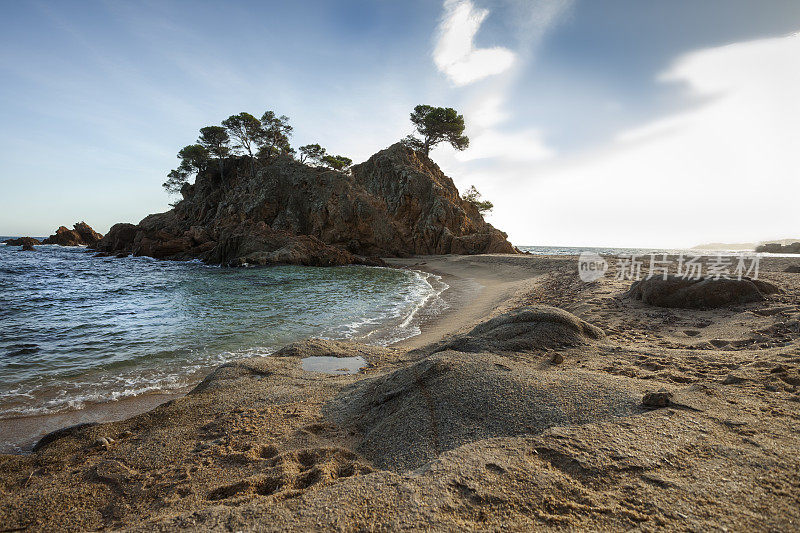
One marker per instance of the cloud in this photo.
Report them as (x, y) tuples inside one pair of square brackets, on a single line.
[(486, 114), (726, 170), (455, 54)]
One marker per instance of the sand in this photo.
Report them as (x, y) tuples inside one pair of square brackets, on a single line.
[(545, 438)]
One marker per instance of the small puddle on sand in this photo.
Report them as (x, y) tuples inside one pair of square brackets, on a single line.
[(333, 365)]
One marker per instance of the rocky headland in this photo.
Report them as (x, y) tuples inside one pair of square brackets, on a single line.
[(395, 204)]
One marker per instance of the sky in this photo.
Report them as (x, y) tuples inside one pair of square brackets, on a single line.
[(592, 122)]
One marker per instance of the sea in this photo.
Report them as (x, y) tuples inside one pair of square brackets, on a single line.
[(77, 330)]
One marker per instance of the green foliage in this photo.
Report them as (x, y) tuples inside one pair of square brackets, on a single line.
[(245, 130), (472, 196), (176, 179), (436, 125), (215, 139), (413, 143), (244, 134), (274, 137), (337, 162), (195, 156), (312, 153)]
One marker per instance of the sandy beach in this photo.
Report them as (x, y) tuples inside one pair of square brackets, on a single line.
[(459, 429)]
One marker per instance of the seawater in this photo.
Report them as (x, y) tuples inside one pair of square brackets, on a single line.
[(77, 329)]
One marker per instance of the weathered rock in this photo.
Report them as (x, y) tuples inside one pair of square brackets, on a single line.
[(658, 399), (81, 235), (23, 241), (28, 247), (397, 203), (524, 330), (699, 294)]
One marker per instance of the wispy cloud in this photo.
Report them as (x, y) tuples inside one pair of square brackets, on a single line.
[(456, 56), (455, 53)]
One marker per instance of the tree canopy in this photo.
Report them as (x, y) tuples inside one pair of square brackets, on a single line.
[(259, 140), (312, 153), (337, 162), (472, 196), (436, 125)]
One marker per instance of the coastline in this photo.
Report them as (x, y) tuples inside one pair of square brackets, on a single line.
[(550, 436), (474, 291)]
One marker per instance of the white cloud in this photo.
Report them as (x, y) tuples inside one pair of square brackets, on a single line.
[(728, 170), (455, 53), (486, 113)]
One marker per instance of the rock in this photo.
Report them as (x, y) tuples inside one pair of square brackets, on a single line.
[(525, 329), (699, 294), (557, 359), (779, 248), (733, 378), (27, 243), (793, 269), (331, 348), (104, 442), (395, 204), (81, 235), (658, 399)]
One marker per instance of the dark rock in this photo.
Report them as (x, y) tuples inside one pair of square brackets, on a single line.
[(524, 330), (778, 248), (81, 235), (27, 247), (658, 399), (699, 294), (557, 359), (795, 269), (23, 241), (395, 204)]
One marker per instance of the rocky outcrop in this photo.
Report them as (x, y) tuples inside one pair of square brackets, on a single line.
[(81, 235), (22, 241), (699, 294), (779, 248), (397, 203), (525, 329)]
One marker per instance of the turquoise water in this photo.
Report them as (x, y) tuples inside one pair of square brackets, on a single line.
[(77, 329)]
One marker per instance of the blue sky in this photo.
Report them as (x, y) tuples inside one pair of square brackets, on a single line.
[(593, 122)]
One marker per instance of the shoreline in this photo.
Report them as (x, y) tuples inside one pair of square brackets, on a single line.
[(470, 295), (547, 405)]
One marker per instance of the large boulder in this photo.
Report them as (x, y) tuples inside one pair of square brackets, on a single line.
[(525, 329), (396, 203), (705, 293), (81, 235)]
